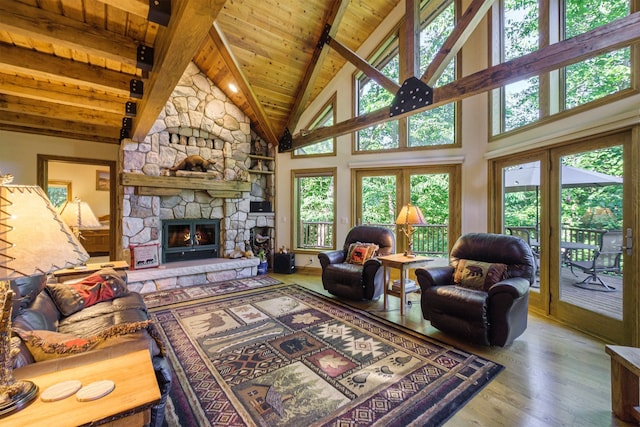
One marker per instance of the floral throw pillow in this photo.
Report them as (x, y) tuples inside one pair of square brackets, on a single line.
[(478, 275)]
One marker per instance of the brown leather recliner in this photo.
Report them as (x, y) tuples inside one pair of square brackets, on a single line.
[(355, 281), (495, 313)]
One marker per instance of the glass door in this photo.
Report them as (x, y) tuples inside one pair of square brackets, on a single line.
[(588, 205), (571, 204), (522, 182), (381, 193)]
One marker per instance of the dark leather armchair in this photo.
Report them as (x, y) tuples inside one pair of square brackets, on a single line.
[(494, 314), (355, 281)]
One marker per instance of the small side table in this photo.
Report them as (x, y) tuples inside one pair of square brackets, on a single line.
[(404, 264), (129, 404), (625, 371), (69, 273)]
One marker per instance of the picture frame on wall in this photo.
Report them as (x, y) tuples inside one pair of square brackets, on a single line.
[(102, 180)]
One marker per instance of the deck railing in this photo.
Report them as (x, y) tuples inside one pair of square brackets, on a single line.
[(431, 240)]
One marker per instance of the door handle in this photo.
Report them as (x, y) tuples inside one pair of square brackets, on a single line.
[(628, 241)]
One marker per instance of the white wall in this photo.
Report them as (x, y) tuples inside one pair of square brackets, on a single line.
[(18, 153), (473, 155)]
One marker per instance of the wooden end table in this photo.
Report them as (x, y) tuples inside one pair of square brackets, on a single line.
[(129, 404), (403, 263), (625, 374)]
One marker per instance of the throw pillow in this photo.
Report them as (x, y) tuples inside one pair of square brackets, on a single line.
[(46, 345), (478, 275), (359, 252), (104, 285)]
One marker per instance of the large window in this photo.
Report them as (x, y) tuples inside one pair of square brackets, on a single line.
[(326, 117), (430, 128), (435, 126), (314, 204), (522, 30)]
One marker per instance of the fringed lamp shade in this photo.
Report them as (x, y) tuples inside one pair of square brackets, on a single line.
[(409, 216), (78, 214), (33, 242), (33, 238)]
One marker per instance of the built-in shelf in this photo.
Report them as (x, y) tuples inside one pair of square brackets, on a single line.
[(259, 157)]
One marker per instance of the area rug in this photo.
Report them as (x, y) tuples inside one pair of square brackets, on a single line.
[(173, 296), (287, 356)]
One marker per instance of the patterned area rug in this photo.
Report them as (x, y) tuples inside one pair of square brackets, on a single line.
[(287, 356), (173, 296)]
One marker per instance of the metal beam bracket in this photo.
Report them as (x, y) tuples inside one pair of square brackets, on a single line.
[(130, 109), (286, 142), (413, 94), (136, 88), (144, 58), (159, 12), (127, 123), (325, 38)]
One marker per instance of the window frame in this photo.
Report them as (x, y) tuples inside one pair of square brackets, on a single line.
[(389, 48), (551, 95), (329, 108), (295, 207)]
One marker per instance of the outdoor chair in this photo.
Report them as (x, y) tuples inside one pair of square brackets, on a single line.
[(354, 272), (525, 235), (605, 260)]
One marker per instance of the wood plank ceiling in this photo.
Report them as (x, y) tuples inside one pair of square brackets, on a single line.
[(101, 70), (73, 68)]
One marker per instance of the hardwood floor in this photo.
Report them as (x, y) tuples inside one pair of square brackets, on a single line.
[(553, 376)]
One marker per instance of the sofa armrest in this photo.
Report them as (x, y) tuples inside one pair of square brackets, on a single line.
[(434, 276), (331, 257), (515, 286)]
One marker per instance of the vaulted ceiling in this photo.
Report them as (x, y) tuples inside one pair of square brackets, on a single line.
[(88, 69), (102, 70)]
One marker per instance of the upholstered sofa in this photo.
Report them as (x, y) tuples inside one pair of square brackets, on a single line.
[(482, 296), (60, 321), (362, 279)]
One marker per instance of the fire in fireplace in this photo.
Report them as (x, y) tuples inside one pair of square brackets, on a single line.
[(190, 239)]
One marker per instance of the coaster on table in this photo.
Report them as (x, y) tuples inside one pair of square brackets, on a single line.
[(60, 391), (95, 390)]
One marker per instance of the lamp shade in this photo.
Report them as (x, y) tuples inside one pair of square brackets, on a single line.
[(78, 214), (33, 238), (410, 214)]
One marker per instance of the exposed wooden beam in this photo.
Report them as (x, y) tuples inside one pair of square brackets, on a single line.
[(65, 32), (139, 8), (410, 37), (331, 23), (458, 37), (614, 35), (220, 41), (41, 65), (175, 47), (22, 105), (60, 94), (369, 70), (49, 126)]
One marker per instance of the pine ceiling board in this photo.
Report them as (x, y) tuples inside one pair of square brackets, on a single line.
[(72, 9), (95, 14)]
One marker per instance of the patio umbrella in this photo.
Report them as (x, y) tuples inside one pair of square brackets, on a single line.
[(527, 178)]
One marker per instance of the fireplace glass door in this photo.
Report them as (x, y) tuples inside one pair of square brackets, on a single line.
[(190, 239)]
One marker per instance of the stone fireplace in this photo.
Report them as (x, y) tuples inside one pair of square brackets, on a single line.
[(198, 120)]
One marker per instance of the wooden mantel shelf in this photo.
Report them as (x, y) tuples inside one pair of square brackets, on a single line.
[(147, 185)]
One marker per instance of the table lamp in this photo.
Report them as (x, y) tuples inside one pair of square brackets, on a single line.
[(409, 216), (77, 215), (34, 241)]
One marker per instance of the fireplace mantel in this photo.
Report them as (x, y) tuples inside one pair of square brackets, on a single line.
[(147, 185)]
